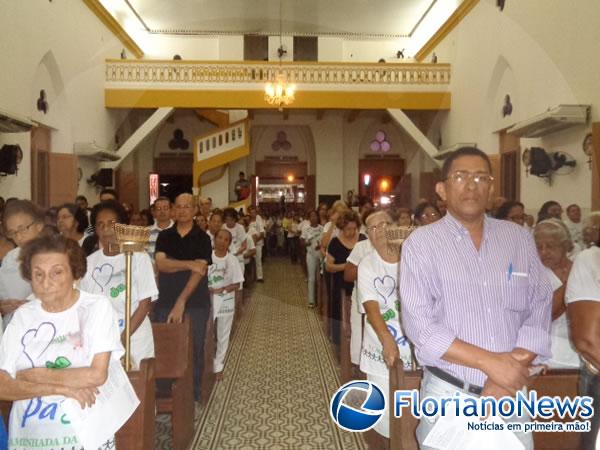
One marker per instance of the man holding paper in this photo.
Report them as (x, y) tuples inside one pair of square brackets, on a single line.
[(475, 301)]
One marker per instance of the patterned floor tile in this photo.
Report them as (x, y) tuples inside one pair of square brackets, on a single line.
[(279, 376)]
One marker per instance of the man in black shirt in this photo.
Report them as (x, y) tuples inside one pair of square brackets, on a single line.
[(183, 253)]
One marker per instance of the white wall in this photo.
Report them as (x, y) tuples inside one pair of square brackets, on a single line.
[(59, 47), (542, 58), (218, 190)]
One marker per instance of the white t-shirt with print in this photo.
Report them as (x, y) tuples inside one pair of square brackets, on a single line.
[(12, 284), (312, 237), (106, 275), (564, 355), (358, 253), (250, 245), (377, 281), (257, 227), (584, 279), (224, 272), (238, 237), (68, 339)]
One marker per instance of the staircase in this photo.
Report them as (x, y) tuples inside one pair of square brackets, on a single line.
[(218, 148)]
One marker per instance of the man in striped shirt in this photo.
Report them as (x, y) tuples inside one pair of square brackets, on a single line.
[(475, 301)]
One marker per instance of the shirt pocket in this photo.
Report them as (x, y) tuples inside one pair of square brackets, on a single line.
[(515, 292)]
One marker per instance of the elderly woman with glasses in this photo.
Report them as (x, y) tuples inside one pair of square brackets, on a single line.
[(383, 342), (58, 346), (553, 243), (23, 221)]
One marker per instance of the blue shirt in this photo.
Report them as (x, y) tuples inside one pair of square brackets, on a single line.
[(497, 298)]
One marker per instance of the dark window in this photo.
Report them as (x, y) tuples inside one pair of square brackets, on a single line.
[(306, 48), (256, 48)]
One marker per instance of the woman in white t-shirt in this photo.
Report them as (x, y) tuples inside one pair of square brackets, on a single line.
[(238, 235), (553, 243), (106, 276), (583, 300), (224, 279), (311, 238), (384, 341), (63, 344)]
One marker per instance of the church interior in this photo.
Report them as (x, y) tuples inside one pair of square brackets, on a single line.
[(288, 106)]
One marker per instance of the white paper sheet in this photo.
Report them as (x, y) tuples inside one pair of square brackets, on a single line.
[(115, 403), (452, 433)]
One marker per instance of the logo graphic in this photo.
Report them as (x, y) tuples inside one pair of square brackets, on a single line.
[(363, 417)]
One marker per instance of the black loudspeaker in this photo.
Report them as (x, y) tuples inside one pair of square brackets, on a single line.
[(10, 157), (104, 178), (541, 165)]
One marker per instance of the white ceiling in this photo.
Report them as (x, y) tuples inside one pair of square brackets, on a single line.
[(360, 18)]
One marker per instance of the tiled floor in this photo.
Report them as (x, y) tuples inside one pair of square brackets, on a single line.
[(279, 377)]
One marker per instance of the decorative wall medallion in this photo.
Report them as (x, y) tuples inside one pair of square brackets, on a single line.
[(281, 143), (380, 143), (42, 103), (179, 142), (507, 108)]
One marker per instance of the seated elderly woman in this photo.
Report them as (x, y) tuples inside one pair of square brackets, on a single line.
[(553, 244), (59, 344)]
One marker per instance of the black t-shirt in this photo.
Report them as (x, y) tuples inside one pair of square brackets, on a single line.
[(340, 254), (194, 245)]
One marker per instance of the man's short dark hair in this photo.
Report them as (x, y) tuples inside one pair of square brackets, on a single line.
[(460, 152), (161, 199), (81, 197), (572, 205), (109, 191), (242, 174)]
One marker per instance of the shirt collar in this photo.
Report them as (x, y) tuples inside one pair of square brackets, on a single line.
[(459, 230), (156, 227)]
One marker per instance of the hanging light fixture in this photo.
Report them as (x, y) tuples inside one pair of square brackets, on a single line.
[(280, 92)]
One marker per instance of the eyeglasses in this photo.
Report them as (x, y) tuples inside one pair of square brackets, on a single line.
[(430, 215), (379, 226), (462, 177), (11, 234)]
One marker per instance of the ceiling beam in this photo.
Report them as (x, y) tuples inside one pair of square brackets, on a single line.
[(115, 27)]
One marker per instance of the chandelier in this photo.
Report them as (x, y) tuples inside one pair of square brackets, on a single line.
[(280, 93)]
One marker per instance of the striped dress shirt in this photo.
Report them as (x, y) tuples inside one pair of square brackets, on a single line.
[(497, 298)]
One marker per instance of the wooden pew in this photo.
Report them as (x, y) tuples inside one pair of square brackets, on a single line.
[(5, 409), (402, 430), (560, 382), (138, 432), (173, 346), (210, 347), (323, 299), (554, 382), (345, 363)]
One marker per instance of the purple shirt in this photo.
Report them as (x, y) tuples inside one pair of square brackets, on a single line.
[(497, 298)]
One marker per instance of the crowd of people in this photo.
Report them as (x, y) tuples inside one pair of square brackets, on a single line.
[(477, 295)]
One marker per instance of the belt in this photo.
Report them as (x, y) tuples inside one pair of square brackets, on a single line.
[(457, 382)]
